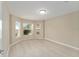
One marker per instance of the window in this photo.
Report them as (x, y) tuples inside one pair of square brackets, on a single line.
[(27, 29), (18, 29), (0, 34), (0, 29)]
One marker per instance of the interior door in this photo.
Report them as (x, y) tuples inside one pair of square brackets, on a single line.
[(39, 29)]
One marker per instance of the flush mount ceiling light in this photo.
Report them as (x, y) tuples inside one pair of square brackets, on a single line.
[(43, 11)]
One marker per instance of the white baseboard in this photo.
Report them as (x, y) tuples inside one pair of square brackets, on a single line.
[(63, 44), (60, 43)]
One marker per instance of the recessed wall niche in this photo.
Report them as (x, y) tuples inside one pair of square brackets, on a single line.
[(38, 26)]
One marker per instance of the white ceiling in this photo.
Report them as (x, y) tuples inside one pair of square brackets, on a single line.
[(29, 10)]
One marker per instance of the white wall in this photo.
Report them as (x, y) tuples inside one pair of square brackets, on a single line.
[(6, 28), (0, 10), (64, 29)]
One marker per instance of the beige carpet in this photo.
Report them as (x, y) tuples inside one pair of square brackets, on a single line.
[(40, 48)]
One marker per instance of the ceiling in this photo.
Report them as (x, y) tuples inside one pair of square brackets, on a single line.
[(30, 9)]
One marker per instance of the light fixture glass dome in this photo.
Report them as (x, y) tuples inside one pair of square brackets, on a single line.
[(43, 11)]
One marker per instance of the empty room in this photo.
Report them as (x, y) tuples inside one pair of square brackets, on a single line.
[(39, 28)]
